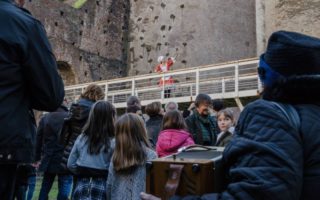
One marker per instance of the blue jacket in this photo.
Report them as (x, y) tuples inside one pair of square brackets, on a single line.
[(269, 159), (28, 80)]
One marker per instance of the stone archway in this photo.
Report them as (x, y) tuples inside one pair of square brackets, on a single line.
[(66, 72)]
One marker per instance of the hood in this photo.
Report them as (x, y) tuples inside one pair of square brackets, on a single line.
[(80, 110), (171, 139)]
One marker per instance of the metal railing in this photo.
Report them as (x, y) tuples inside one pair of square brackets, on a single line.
[(227, 80)]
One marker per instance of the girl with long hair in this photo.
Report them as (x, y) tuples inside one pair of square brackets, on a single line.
[(173, 135), (91, 154), (127, 171)]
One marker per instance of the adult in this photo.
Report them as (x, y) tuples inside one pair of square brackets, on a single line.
[(167, 81), (49, 153), (28, 80), (134, 106), (77, 118), (153, 125), (201, 125), (171, 106)]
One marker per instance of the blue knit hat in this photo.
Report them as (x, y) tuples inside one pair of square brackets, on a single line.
[(290, 54)]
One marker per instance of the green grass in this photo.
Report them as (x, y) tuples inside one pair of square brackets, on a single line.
[(53, 192)]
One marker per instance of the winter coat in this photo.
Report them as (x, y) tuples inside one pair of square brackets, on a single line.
[(72, 128), (28, 80), (225, 137), (269, 159), (153, 126), (49, 150), (194, 125), (170, 140), (128, 185)]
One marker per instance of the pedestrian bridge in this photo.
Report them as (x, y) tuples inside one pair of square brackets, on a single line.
[(234, 79)]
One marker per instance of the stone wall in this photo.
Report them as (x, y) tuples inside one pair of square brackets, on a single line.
[(292, 15), (89, 43), (197, 32)]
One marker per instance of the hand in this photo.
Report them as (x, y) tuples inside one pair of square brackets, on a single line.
[(36, 164), (145, 196), (192, 106)]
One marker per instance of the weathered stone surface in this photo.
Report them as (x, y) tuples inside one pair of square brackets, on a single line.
[(111, 38), (197, 32), (91, 40), (293, 15)]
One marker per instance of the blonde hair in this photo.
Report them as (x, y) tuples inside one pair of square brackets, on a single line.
[(131, 142), (93, 92)]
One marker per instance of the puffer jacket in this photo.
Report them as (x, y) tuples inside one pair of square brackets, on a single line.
[(170, 140), (28, 80), (269, 159), (72, 128)]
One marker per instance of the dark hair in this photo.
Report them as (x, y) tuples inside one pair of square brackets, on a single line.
[(131, 140), (173, 120), (133, 100), (99, 127), (93, 92), (217, 104), (202, 99), (153, 108), (133, 104)]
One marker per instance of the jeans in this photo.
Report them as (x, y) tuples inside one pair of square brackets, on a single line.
[(20, 192), (31, 186), (7, 180), (64, 186)]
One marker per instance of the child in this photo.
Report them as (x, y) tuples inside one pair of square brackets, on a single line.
[(91, 154), (225, 123), (127, 173), (173, 134)]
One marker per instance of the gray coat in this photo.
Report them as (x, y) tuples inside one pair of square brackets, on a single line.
[(128, 186)]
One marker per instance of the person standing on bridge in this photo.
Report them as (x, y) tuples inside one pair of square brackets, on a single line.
[(201, 125), (167, 81), (28, 80)]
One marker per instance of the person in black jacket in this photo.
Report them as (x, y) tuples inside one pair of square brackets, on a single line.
[(275, 151), (77, 118), (49, 153), (155, 112), (28, 80)]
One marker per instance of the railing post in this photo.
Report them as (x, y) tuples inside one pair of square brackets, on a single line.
[(106, 91), (133, 85), (236, 84), (223, 86), (163, 81), (197, 81)]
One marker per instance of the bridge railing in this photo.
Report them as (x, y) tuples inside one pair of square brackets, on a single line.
[(228, 80)]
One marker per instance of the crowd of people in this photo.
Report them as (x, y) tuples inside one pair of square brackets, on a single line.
[(97, 155), (271, 153)]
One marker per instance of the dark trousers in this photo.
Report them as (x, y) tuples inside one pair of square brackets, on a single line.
[(167, 93), (7, 180), (64, 186)]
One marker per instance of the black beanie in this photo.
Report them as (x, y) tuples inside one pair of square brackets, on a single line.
[(291, 53)]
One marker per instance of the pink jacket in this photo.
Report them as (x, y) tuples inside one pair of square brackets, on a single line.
[(170, 140)]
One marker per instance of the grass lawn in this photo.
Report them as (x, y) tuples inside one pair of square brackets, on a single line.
[(53, 192)]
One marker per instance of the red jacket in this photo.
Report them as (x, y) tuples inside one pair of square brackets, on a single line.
[(170, 140)]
